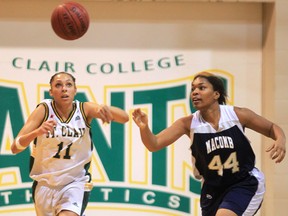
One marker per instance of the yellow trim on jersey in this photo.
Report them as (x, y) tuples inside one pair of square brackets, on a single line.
[(46, 111), (59, 116)]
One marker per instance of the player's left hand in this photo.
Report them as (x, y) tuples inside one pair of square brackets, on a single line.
[(277, 151), (104, 113)]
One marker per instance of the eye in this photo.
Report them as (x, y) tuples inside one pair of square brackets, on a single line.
[(58, 85), (202, 87)]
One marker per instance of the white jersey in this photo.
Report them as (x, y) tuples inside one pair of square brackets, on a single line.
[(63, 156)]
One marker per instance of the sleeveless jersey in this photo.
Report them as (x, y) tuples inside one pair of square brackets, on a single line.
[(224, 156), (64, 155)]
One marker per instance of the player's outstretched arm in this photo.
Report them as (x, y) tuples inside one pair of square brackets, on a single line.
[(278, 148), (147, 137), (166, 137), (251, 120), (105, 113)]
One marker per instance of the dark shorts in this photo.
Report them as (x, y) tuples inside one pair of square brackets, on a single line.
[(243, 198)]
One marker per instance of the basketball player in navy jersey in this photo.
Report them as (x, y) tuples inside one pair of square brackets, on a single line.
[(221, 154), (62, 147)]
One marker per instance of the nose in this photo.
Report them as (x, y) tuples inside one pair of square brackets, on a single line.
[(64, 89), (194, 92)]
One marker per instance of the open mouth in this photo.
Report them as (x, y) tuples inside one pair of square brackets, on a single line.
[(65, 96)]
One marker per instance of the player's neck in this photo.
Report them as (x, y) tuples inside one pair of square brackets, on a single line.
[(212, 115), (64, 110)]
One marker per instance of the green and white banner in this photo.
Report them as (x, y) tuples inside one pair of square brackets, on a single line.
[(127, 178), (133, 56)]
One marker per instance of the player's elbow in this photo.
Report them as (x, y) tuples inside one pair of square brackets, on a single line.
[(152, 148), (14, 150), (125, 118)]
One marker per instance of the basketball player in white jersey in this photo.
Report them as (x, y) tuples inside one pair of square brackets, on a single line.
[(62, 147), (221, 153)]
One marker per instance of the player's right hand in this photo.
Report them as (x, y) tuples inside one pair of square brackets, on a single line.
[(140, 118), (47, 127)]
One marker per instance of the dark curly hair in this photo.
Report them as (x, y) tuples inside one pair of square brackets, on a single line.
[(217, 84)]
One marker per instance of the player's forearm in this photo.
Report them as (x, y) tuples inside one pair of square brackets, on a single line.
[(24, 141), (277, 133), (119, 115), (148, 139)]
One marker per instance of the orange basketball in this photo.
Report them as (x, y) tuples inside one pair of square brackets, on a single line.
[(70, 20)]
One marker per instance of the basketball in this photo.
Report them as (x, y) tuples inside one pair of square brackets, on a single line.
[(70, 20)]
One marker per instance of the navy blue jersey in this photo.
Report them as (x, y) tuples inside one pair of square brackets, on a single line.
[(220, 157)]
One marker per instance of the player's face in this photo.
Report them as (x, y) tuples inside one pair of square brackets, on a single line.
[(63, 88), (203, 94)]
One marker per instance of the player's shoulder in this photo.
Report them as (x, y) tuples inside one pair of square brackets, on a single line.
[(187, 118), (242, 110), (88, 105), (185, 121), (46, 101), (244, 114)]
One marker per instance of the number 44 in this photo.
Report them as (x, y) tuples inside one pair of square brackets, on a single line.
[(231, 163)]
